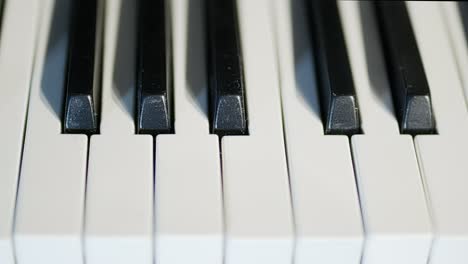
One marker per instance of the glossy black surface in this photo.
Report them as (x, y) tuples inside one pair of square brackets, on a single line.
[(410, 90), (83, 70), (154, 71), (228, 115), (338, 103)]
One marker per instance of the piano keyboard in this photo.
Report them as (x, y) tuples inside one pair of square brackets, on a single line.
[(233, 131)]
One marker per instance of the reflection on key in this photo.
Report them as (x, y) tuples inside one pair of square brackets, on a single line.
[(154, 113), (410, 89), (228, 114), (340, 113), (83, 76)]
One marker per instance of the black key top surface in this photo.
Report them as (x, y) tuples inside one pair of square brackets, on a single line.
[(154, 75), (339, 108), (410, 89), (228, 115), (83, 71)]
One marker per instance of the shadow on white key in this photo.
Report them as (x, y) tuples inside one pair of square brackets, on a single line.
[(49, 209), (442, 157), (259, 222), (188, 194), (396, 218), (18, 16), (119, 192), (325, 201)]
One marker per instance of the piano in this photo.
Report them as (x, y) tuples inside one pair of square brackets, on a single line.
[(233, 131)]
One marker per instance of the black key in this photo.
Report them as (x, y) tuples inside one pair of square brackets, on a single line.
[(463, 8), (2, 7), (228, 115), (411, 96), (83, 71), (339, 107), (154, 76)]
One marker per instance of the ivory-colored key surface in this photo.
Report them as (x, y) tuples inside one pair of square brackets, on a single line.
[(188, 191), (394, 210), (50, 204), (119, 190), (259, 223), (18, 16), (458, 40), (327, 216), (442, 157)]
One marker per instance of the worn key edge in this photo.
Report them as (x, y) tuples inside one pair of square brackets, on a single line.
[(229, 106), (418, 118), (80, 116), (154, 116), (343, 116)]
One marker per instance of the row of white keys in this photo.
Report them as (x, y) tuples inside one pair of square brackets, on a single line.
[(50, 204), (442, 157), (395, 214), (259, 223), (18, 38), (325, 201), (119, 194), (188, 192)]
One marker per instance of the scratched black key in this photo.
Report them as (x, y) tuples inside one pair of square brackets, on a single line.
[(83, 70), (154, 77), (339, 107), (228, 115), (411, 96)]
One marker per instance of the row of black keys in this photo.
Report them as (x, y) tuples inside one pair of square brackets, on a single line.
[(154, 69), (228, 115)]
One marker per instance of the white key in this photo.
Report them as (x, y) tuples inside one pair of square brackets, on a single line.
[(119, 194), (259, 223), (49, 210), (459, 44), (188, 195), (444, 81), (443, 157), (395, 214), (18, 16), (325, 201)]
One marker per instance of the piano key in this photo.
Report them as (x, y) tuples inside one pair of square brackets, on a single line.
[(442, 156), (463, 9), (50, 203), (324, 195), (228, 112), (456, 17), (259, 222), (119, 194), (18, 16), (119, 228), (83, 70), (192, 191), (398, 229), (410, 89), (154, 78), (339, 107), (2, 7), (450, 109)]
